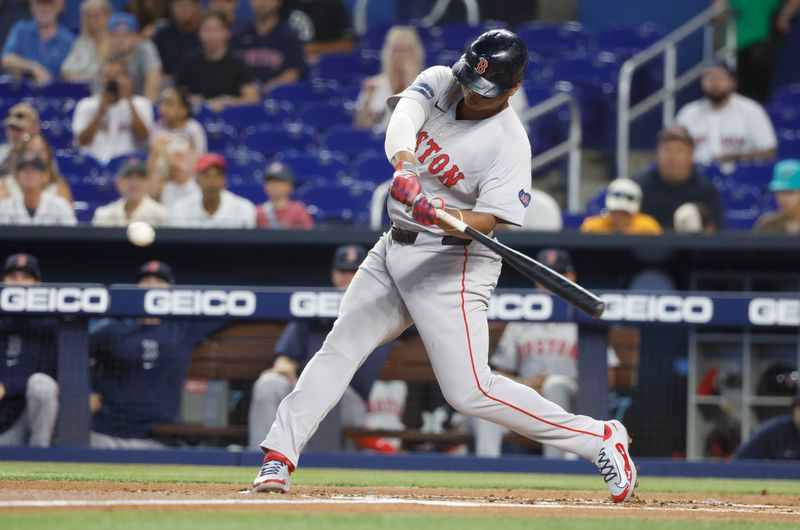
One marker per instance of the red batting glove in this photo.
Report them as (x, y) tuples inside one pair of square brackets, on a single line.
[(424, 210), (405, 183)]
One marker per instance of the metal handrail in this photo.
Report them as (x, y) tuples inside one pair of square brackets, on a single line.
[(672, 82), (438, 9), (570, 147)]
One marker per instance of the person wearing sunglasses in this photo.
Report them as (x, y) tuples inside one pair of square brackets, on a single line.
[(621, 214)]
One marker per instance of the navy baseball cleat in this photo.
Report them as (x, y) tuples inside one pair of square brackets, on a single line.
[(274, 474), (615, 462)]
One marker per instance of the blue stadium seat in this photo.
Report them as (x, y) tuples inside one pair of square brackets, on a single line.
[(279, 111), (787, 95), (65, 89), (756, 174), (97, 193), (372, 167), (352, 141), (253, 192), (77, 167), (84, 211), (240, 117), (741, 197), (373, 38), (627, 40), (221, 137), (205, 115), (324, 115), (458, 36), (58, 133), (336, 203), (245, 167), (572, 221), (15, 89), (601, 66), (272, 139), (553, 39), (345, 67), (789, 143), (327, 165), (303, 92), (784, 116)]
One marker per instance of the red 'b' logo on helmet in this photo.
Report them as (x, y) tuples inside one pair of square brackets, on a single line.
[(483, 64)]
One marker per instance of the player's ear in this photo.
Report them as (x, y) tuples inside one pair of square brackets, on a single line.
[(513, 90)]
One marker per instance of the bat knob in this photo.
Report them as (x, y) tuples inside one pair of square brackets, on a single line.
[(599, 308)]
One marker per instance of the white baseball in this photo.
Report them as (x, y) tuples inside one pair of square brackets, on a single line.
[(141, 234)]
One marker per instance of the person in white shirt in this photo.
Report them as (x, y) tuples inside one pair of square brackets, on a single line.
[(172, 171), (135, 204), (113, 122), (216, 207), (33, 206), (727, 127)]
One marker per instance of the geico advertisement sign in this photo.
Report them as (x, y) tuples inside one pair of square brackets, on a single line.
[(312, 304), (212, 303), (652, 308), (54, 299), (619, 307), (774, 312)]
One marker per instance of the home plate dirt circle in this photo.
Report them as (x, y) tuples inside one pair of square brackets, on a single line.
[(101, 496)]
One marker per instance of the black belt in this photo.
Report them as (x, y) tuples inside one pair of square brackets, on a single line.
[(408, 237)]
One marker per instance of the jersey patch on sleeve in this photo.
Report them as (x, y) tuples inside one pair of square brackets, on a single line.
[(423, 88), (524, 198)]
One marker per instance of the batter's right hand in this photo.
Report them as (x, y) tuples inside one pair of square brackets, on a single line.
[(405, 183)]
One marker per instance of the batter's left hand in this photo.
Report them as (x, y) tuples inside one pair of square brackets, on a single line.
[(424, 209)]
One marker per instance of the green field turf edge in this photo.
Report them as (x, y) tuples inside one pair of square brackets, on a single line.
[(240, 477), (260, 521)]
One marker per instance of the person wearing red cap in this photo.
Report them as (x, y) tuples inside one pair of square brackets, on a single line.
[(215, 207)]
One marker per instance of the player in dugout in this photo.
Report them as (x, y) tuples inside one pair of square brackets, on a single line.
[(28, 389), (138, 368)]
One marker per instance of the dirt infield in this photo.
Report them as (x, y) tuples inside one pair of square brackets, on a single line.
[(41, 496)]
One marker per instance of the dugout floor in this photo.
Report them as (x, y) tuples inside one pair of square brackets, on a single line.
[(43, 496)]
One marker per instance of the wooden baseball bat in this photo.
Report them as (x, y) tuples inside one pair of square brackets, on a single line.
[(570, 291)]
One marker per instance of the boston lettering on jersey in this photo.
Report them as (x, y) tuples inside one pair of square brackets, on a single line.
[(438, 162)]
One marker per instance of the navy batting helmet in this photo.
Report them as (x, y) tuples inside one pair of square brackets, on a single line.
[(492, 63)]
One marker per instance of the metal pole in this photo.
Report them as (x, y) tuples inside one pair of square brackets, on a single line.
[(623, 118), (73, 381), (360, 16), (574, 159), (670, 70)]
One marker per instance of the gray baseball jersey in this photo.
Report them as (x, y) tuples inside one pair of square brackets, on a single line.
[(443, 289)]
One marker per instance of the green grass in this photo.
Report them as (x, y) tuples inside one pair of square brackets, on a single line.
[(236, 521), (242, 476)]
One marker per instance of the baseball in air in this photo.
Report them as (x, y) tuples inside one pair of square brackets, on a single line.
[(141, 234)]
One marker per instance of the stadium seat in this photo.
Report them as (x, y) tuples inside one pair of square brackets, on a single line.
[(304, 92), (77, 166), (550, 40), (789, 143), (323, 115), (784, 116), (372, 167), (65, 89), (627, 40), (272, 139), (787, 95), (58, 133), (352, 141), (457, 36), (245, 167), (572, 221), (597, 203), (84, 211), (240, 117), (756, 174), (221, 137), (15, 89), (99, 193), (279, 111), (253, 192), (328, 165), (373, 38), (336, 203), (345, 67), (741, 197)]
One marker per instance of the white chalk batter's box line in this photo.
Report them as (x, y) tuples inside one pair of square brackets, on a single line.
[(374, 500)]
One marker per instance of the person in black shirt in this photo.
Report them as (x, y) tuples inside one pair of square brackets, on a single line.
[(270, 47), (28, 390), (776, 439), (178, 37), (215, 74), (323, 25), (674, 180)]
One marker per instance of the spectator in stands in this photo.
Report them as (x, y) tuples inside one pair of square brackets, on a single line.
[(280, 211), (21, 124), (38, 146), (402, 59), (150, 15), (33, 206), (622, 216), (693, 218), (298, 343), (92, 46), (726, 126), (138, 368), (788, 23), (543, 356), (675, 180), (113, 122), (175, 120), (228, 9), (11, 12), (775, 439), (28, 390), (134, 203), (543, 214), (214, 74), (323, 25), (139, 56), (173, 172), (786, 186), (36, 48), (270, 47), (215, 207), (178, 38)]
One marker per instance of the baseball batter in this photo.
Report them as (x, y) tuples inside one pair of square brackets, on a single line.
[(456, 144)]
